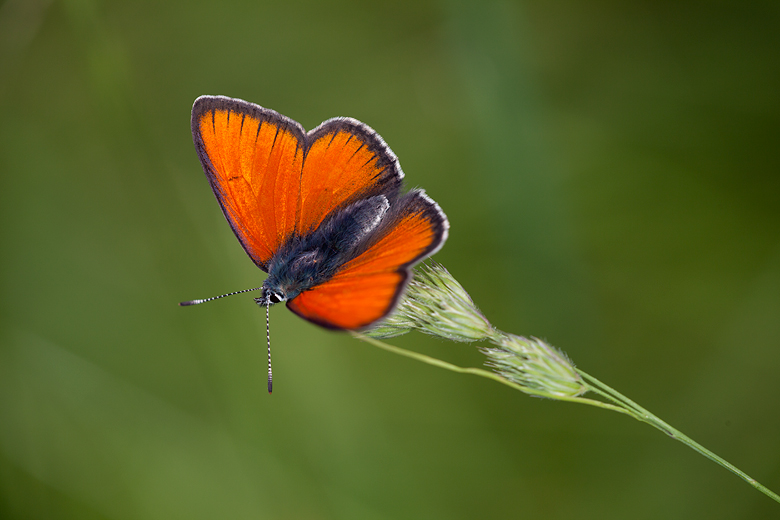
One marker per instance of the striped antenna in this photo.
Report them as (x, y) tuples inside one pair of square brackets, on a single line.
[(268, 337), (196, 302)]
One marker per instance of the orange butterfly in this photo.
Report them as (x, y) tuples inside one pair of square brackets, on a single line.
[(321, 212)]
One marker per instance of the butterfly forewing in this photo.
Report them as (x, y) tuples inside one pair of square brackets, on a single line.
[(274, 181), (253, 159), (345, 161)]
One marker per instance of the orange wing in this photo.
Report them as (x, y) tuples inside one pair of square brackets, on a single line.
[(273, 180), (368, 287), (345, 161)]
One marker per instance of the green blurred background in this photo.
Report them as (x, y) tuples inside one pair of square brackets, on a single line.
[(612, 177)]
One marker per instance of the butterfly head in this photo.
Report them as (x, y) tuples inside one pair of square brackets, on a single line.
[(271, 295)]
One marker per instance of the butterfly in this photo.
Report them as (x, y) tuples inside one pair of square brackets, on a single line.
[(322, 212)]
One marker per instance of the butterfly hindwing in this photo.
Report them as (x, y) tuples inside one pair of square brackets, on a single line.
[(367, 287)]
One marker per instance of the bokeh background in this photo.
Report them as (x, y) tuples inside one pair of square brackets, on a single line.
[(611, 174)]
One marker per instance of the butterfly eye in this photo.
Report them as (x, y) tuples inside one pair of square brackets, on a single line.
[(275, 298)]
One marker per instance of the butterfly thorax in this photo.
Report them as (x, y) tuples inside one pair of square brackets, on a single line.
[(310, 259)]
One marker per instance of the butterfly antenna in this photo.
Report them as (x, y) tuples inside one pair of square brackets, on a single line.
[(268, 337), (196, 302)]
